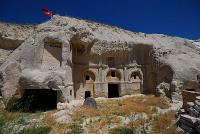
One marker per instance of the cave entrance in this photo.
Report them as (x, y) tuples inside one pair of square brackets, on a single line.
[(190, 89), (38, 100), (113, 90), (87, 94)]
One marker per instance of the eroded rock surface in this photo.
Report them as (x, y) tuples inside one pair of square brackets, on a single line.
[(79, 58)]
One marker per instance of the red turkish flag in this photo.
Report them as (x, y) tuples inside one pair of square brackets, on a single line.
[(47, 12)]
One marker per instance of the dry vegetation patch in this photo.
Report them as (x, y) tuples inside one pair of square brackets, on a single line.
[(163, 124), (22, 123), (121, 107), (106, 116), (55, 126), (110, 117), (9, 116)]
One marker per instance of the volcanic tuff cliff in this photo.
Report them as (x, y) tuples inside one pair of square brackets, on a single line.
[(12, 36), (174, 60)]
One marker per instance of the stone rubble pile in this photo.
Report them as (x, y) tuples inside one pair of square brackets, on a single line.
[(188, 118)]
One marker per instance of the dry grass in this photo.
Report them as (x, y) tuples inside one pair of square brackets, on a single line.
[(108, 111), (121, 107), (9, 116), (101, 125), (163, 124), (113, 108), (56, 128), (136, 124)]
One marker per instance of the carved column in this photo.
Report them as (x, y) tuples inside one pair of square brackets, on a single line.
[(68, 67)]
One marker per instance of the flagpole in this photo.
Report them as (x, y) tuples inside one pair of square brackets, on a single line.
[(51, 15)]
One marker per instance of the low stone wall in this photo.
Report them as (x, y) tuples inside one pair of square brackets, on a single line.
[(188, 118), (189, 96)]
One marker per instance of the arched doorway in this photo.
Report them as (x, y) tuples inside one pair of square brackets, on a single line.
[(89, 79), (113, 78)]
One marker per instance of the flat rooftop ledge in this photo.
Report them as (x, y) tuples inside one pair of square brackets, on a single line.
[(36, 79)]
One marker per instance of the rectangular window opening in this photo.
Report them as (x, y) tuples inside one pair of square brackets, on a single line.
[(71, 92), (87, 77), (113, 73), (87, 94)]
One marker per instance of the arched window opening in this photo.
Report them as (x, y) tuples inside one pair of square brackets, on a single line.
[(89, 76), (135, 76), (113, 75)]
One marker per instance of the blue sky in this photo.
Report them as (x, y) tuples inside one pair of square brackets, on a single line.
[(172, 17)]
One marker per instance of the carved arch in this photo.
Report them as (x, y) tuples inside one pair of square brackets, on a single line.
[(89, 76), (135, 74), (113, 75)]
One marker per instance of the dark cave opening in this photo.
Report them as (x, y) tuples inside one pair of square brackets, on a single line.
[(190, 89), (113, 90), (87, 94), (35, 100)]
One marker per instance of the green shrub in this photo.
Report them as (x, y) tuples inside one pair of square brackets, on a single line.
[(75, 129), (36, 130), (121, 130), (2, 122)]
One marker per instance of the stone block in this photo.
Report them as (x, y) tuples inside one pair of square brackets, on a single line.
[(190, 104), (65, 119), (193, 112), (90, 102), (185, 122), (188, 118), (198, 98), (197, 102), (181, 111), (197, 108), (198, 129), (187, 128), (60, 114), (61, 106)]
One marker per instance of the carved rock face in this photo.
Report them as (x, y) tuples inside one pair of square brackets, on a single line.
[(56, 54)]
